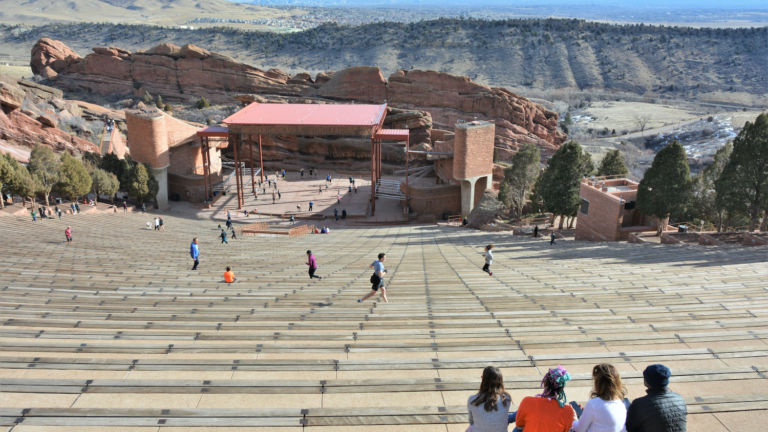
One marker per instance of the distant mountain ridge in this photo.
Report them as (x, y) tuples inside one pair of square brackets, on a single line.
[(705, 64)]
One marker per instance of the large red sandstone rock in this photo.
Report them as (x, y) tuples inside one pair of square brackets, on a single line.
[(22, 129), (49, 56), (186, 73)]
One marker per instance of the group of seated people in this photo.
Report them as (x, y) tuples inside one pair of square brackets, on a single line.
[(661, 410)]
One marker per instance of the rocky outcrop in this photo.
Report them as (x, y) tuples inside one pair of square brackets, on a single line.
[(50, 56), (488, 210), (189, 72), (32, 114), (450, 98)]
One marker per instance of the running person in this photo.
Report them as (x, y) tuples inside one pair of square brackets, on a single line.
[(194, 252), (488, 259), (377, 279), (312, 263)]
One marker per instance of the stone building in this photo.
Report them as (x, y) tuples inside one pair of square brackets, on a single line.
[(608, 210), (173, 151), (464, 166)]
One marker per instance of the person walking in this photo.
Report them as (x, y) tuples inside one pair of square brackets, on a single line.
[(310, 205), (161, 223), (234, 236), (312, 263), (489, 408), (552, 237), (194, 252), (535, 230), (273, 197), (229, 275), (68, 235), (157, 223), (34, 215), (336, 214), (143, 208), (377, 279), (77, 207), (488, 259), (125, 207), (223, 236), (58, 212), (279, 195)]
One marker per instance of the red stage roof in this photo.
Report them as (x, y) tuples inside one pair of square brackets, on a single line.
[(309, 115), (392, 134)]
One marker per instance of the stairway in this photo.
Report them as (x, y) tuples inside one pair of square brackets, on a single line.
[(389, 189)]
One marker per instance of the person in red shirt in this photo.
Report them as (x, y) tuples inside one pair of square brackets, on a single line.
[(546, 412), (68, 235), (229, 275)]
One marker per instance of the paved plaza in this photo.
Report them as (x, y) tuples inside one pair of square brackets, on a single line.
[(115, 333)]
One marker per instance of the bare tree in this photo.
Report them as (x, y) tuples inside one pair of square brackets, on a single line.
[(642, 121)]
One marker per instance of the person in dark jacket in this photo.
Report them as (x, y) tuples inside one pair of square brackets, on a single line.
[(660, 410)]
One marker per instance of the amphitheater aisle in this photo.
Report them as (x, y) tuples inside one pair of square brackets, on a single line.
[(115, 333)]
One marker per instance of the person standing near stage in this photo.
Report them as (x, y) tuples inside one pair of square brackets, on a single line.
[(312, 263), (377, 279), (194, 252)]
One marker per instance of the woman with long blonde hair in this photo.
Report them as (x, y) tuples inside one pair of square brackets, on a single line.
[(606, 411)]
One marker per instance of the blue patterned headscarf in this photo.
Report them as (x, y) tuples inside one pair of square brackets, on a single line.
[(554, 385)]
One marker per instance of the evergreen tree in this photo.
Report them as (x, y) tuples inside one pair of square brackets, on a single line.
[(665, 188), (75, 180), (522, 175), (537, 202), (559, 185), (7, 173), (612, 164), (139, 182), (504, 192), (45, 167), (745, 177), (705, 202), (104, 183), (22, 182)]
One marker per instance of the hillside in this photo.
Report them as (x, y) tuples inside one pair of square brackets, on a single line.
[(714, 65), (158, 12)]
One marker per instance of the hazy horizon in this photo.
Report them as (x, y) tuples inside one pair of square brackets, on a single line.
[(507, 4)]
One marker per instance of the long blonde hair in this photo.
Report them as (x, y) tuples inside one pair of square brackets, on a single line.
[(607, 382)]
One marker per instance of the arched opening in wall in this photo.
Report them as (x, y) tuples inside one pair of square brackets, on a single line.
[(480, 186)]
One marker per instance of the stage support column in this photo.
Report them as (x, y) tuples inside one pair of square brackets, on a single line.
[(261, 161), (253, 176), (373, 177)]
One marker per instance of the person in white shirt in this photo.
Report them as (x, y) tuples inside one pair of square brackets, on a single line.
[(488, 259), (606, 411)]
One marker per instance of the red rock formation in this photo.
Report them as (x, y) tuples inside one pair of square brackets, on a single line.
[(186, 73), (49, 56), (450, 98), (22, 129)]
